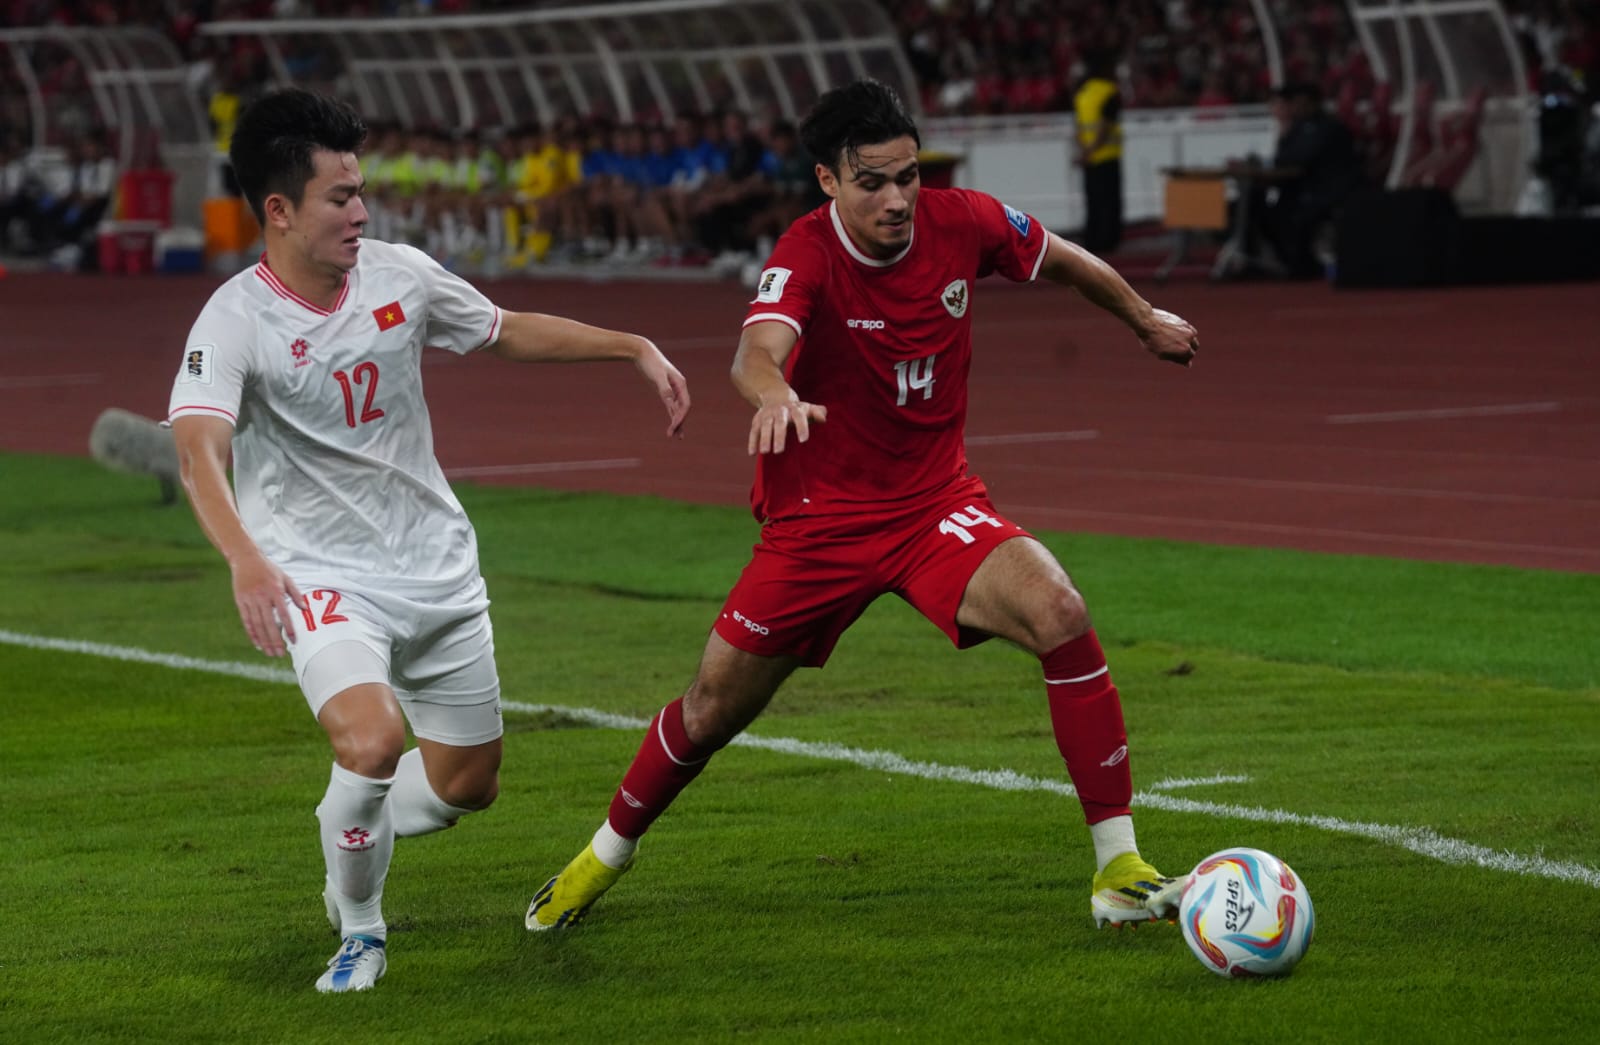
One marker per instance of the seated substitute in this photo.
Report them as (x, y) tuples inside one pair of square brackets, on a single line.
[(1320, 152)]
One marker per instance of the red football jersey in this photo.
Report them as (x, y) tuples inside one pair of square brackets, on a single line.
[(885, 345)]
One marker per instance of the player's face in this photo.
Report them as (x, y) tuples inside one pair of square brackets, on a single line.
[(325, 228), (877, 195)]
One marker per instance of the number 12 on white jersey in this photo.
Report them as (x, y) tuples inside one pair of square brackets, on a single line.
[(914, 375)]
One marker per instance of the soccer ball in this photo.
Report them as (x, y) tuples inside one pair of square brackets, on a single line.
[(1245, 913)]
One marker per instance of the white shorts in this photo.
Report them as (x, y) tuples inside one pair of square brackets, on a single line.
[(437, 654)]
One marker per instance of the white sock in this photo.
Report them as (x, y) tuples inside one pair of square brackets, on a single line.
[(1112, 838), (357, 841), (612, 849), (413, 806)]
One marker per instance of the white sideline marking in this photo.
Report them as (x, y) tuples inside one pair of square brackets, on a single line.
[(1175, 783), (1502, 410), (537, 467), (1420, 840), (254, 672), (1081, 435)]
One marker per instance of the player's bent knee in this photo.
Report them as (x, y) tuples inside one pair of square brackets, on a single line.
[(368, 735), (473, 792), (1072, 612), (714, 715), (1065, 618), (371, 752), (347, 686), (729, 691), (479, 797)]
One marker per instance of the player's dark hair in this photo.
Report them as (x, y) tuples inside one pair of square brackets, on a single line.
[(276, 136), (846, 118)]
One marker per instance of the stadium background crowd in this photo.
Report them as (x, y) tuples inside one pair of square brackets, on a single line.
[(715, 189)]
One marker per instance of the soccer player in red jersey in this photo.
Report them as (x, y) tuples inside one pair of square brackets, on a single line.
[(859, 340)]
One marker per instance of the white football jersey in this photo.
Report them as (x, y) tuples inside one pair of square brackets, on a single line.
[(333, 463)]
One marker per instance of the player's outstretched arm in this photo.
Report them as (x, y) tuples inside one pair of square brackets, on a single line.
[(533, 337), (758, 375), (264, 594), (1165, 335)]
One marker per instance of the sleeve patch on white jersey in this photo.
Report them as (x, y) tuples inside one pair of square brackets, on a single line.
[(198, 366), (770, 287)]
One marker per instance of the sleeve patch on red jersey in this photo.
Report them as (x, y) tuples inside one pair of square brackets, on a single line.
[(770, 287), (1019, 221)]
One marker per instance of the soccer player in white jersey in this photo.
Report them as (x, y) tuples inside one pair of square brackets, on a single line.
[(346, 545)]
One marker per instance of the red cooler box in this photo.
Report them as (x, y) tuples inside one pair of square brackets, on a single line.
[(128, 246), (145, 195)]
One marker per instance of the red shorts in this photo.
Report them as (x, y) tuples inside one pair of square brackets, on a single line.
[(811, 577)]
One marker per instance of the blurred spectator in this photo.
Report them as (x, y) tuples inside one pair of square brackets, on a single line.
[(571, 217), (94, 181), (1319, 152), (222, 109), (697, 163), (795, 190), (1589, 194), (603, 192), (644, 176), (16, 203), (730, 200), (1098, 105), (1377, 132), (1560, 160)]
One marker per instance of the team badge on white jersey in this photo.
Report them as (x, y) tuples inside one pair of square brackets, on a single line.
[(300, 349), (954, 298), (197, 365), (770, 286)]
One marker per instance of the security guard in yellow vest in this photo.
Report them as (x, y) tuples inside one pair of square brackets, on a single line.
[(1098, 107)]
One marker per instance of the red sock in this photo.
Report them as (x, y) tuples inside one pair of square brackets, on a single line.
[(666, 763), (1086, 714)]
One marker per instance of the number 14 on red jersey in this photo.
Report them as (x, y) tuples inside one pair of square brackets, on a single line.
[(914, 375)]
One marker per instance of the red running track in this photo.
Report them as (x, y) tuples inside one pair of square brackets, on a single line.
[(1459, 425)]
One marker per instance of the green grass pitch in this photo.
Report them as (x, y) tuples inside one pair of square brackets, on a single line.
[(1421, 742)]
